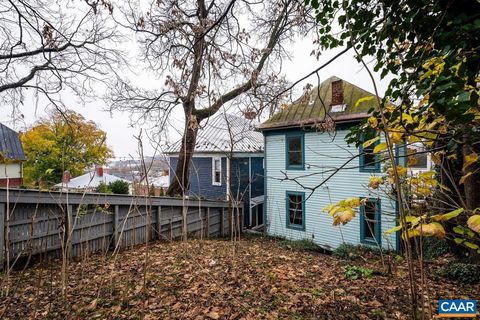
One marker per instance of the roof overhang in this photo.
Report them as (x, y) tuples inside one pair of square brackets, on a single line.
[(310, 123)]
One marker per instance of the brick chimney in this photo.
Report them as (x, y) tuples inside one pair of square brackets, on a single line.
[(337, 92), (66, 177), (99, 171), (249, 113)]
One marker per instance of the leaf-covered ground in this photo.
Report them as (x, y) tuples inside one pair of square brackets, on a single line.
[(216, 279)]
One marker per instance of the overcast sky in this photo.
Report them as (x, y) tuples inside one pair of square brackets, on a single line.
[(120, 132)]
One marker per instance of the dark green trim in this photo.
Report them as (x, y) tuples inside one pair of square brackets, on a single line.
[(397, 223), (400, 159), (287, 210), (378, 225), (370, 168), (265, 194), (301, 135), (281, 131)]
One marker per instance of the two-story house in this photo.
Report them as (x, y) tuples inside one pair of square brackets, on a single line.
[(309, 165)]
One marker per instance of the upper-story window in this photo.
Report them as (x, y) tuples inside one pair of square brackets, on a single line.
[(419, 153), (295, 153), (369, 161), (216, 171)]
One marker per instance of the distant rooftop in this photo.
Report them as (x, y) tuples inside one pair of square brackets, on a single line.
[(89, 180), (10, 145), (226, 133), (334, 95)]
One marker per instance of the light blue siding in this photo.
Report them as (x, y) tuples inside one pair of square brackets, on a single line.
[(322, 157)]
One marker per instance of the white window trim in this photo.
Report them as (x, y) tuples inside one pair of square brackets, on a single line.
[(214, 183)]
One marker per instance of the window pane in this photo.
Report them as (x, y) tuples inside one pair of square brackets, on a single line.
[(217, 176), (369, 157), (217, 164), (420, 155), (295, 158), (370, 222), (294, 143)]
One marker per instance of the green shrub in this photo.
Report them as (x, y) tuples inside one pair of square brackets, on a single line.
[(119, 187), (354, 272), (304, 244), (462, 272), (151, 191), (103, 188), (434, 248), (346, 251)]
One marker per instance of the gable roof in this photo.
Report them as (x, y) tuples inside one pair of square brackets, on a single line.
[(10, 145), (89, 180), (309, 109), (225, 133)]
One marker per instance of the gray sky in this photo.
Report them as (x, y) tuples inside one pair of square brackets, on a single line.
[(120, 134)]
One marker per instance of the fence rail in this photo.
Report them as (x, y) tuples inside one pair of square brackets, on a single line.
[(37, 222)]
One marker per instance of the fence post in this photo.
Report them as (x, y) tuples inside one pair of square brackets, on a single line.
[(208, 222), (159, 222), (116, 213), (222, 222), (70, 231), (2, 235)]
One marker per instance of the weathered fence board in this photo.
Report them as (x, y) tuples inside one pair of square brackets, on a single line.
[(47, 222)]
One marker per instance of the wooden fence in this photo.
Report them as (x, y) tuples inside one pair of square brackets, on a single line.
[(34, 222)]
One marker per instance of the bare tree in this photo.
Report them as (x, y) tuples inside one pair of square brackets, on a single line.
[(48, 46), (210, 53)]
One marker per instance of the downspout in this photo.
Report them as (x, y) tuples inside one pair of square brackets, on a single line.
[(228, 179), (250, 190), (265, 197)]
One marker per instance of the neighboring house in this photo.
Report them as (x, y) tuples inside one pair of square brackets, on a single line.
[(423, 160), (157, 186), (305, 149), (227, 164), (87, 182), (11, 158)]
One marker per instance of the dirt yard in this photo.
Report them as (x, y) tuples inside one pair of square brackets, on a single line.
[(216, 279)]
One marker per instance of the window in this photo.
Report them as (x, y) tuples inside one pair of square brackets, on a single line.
[(369, 162), (294, 151), (370, 225), (418, 152), (295, 206), (216, 171)]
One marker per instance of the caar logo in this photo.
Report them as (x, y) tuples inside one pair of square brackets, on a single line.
[(457, 308)]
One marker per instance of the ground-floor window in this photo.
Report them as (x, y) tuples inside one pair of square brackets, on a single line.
[(295, 205), (370, 226)]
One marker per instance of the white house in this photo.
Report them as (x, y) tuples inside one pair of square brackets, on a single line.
[(88, 181)]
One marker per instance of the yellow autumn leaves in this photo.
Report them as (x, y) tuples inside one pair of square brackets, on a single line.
[(343, 211), (431, 226)]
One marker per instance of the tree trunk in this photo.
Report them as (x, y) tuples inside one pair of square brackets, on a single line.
[(472, 182), (180, 183)]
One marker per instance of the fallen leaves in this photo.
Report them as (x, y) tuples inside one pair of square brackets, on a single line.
[(213, 279)]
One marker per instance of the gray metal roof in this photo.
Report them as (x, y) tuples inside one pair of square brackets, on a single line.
[(10, 145), (225, 133)]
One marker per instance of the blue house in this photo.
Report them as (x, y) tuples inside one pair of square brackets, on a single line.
[(309, 165), (227, 164)]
